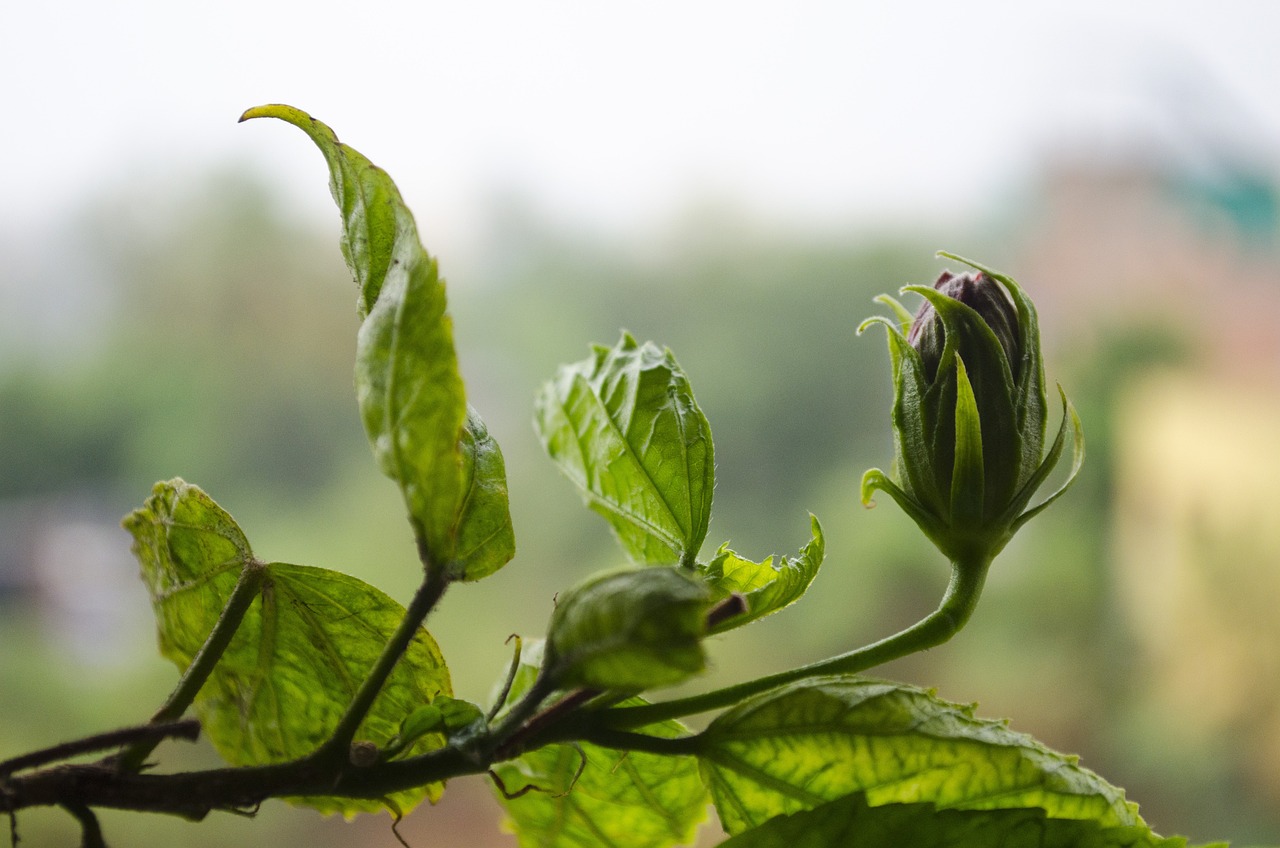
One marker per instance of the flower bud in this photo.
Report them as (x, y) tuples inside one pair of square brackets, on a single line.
[(981, 294), (629, 630), (969, 413)]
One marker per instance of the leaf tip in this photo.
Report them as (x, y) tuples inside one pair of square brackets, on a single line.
[(264, 111), (870, 482)]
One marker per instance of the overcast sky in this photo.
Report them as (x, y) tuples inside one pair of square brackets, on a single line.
[(618, 112)]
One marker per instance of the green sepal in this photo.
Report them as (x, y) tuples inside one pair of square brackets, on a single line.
[(991, 385), (1055, 452), (629, 630), (1030, 401), (912, 436), (874, 478), (301, 650), (766, 587), (623, 425), (968, 475)]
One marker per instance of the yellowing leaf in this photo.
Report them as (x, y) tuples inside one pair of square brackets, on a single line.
[(851, 821), (300, 652), (812, 742)]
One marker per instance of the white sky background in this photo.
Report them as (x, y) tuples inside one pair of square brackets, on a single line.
[(611, 114)]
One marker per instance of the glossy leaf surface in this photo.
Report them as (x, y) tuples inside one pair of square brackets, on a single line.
[(767, 587), (300, 653), (774, 755), (630, 799), (851, 821), (624, 427)]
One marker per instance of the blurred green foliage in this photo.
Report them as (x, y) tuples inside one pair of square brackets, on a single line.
[(224, 352)]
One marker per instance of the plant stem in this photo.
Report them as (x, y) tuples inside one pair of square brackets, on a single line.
[(511, 677), (424, 600), (202, 664), (189, 729), (515, 742), (90, 829), (940, 625), (194, 794)]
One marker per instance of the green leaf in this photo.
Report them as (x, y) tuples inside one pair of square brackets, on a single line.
[(767, 587), (773, 755), (300, 652), (624, 427), (369, 201), (632, 799), (411, 395), (485, 538), (459, 720), (852, 821), (629, 630)]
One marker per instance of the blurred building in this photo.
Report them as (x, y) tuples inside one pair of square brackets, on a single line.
[(1186, 241)]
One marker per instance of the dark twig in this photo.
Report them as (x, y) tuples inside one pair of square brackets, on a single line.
[(397, 816), (148, 733), (91, 831), (202, 664), (514, 745), (529, 787)]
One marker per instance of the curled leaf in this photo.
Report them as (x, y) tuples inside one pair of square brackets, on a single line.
[(624, 427)]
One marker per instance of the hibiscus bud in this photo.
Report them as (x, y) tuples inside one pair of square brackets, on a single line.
[(981, 294), (970, 413)]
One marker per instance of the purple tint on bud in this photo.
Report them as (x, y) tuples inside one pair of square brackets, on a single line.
[(981, 294)]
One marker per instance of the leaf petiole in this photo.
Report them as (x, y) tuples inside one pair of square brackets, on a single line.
[(203, 663), (424, 600)]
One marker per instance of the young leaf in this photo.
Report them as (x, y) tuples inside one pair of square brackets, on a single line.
[(767, 587), (411, 395), (629, 630), (773, 755), (452, 716), (485, 538), (852, 821), (624, 427), (300, 652), (635, 799)]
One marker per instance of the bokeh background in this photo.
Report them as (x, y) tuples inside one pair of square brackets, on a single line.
[(737, 181)]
